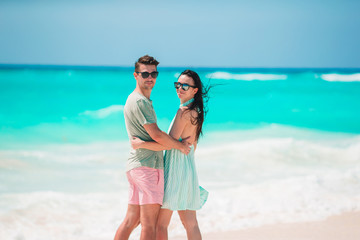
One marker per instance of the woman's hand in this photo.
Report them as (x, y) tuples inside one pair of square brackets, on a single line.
[(136, 142)]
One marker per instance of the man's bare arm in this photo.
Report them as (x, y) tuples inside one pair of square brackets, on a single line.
[(137, 143), (164, 139)]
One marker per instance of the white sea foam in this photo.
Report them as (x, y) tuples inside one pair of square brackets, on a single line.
[(104, 112), (54, 215), (271, 175), (341, 77), (96, 216), (247, 76)]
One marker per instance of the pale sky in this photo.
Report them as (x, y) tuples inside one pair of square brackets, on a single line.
[(194, 33)]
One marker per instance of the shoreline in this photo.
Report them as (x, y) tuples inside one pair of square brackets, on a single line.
[(337, 227)]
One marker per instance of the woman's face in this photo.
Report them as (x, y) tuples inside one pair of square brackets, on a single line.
[(190, 93)]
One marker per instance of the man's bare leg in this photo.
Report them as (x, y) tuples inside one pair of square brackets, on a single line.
[(188, 219), (162, 224), (148, 218), (131, 221)]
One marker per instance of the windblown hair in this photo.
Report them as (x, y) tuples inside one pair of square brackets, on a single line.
[(201, 99), (146, 60)]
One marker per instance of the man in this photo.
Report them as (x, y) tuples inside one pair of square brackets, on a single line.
[(145, 167)]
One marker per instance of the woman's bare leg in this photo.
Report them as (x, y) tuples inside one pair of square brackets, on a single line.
[(162, 224), (188, 219)]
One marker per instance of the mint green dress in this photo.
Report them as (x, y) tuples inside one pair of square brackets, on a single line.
[(181, 185)]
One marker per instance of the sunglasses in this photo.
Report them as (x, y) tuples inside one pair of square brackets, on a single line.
[(184, 86), (147, 74)]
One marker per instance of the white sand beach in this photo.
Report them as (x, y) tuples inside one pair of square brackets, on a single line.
[(340, 227)]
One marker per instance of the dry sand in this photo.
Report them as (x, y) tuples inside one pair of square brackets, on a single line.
[(341, 227)]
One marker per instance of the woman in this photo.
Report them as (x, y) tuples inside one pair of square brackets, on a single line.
[(182, 192)]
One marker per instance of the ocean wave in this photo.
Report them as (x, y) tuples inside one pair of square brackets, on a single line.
[(104, 112), (341, 77), (98, 152), (246, 76)]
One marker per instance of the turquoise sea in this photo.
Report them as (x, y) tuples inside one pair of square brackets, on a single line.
[(84, 105), (279, 145)]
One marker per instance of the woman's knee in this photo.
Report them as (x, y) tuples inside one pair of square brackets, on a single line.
[(190, 223), (161, 227)]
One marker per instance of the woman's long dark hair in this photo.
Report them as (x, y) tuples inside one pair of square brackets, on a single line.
[(201, 99)]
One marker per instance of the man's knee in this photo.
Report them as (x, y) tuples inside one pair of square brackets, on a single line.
[(148, 224), (131, 223), (149, 230)]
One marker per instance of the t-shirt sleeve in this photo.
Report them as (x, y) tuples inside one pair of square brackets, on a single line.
[(145, 112)]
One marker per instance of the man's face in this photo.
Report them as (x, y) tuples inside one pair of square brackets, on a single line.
[(145, 83)]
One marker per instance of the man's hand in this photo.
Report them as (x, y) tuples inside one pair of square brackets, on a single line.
[(136, 142), (186, 146)]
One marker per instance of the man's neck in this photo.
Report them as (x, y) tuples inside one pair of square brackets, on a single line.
[(145, 93)]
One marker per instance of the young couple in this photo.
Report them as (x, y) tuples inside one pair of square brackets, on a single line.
[(160, 185)]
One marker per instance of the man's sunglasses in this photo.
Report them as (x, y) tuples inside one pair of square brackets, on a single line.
[(184, 86), (147, 74)]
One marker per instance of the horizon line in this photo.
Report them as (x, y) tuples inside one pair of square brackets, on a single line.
[(115, 67)]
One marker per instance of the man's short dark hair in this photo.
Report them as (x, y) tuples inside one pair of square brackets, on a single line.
[(146, 60)]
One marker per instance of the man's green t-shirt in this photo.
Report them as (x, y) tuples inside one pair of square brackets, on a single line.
[(139, 111)]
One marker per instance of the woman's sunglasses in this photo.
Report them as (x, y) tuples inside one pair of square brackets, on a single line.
[(184, 86), (147, 74)]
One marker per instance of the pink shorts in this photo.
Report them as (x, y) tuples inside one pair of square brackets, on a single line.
[(146, 186)]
